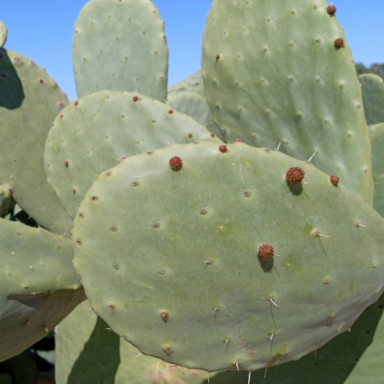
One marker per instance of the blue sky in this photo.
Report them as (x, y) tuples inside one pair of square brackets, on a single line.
[(42, 30)]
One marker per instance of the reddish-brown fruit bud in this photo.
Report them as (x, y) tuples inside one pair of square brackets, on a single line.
[(213, 135), (223, 148), (294, 175), (175, 162), (238, 141), (66, 163), (190, 135), (170, 111), (265, 251), (339, 42), (74, 190), (334, 180), (76, 102), (217, 57), (164, 316), (61, 116), (331, 10), (135, 98)]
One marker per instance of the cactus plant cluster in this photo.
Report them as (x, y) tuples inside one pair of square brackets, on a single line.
[(216, 231)]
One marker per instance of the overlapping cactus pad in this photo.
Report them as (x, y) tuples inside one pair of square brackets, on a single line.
[(83, 338), (29, 102), (98, 131), (193, 83), (3, 34), (207, 257), (121, 46), (373, 97), (274, 76), (38, 285)]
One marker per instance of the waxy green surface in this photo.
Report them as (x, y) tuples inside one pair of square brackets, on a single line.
[(3, 34), (38, 285), (274, 78), (372, 87), (149, 239), (29, 102), (99, 130), (83, 338), (121, 46)]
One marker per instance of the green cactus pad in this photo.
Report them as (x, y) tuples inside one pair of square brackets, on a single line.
[(191, 104), (274, 78), (151, 240), (193, 83), (373, 97), (376, 133), (25, 121), (3, 34), (83, 338), (98, 131), (38, 285), (121, 46)]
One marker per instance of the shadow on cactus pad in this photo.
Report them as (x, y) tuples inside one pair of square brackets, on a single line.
[(11, 89)]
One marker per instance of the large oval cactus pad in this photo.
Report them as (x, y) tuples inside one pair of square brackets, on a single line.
[(98, 131), (25, 121), (169, 257), (121, 46), (274, 77), (38, 285)]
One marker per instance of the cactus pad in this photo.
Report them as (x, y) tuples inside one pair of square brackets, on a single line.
[(169, 258), (273, 77), (191, 104), (376, 133), (121, 46), (83, 338), (38, 285), (193, 83), (26, 118), (3, 34), (98, 131), (373, 97)]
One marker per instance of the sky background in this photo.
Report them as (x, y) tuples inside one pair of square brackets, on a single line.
[(43, 29)]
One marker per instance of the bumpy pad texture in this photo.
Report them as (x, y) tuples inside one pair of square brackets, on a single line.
[(376, 133), (373, 97), (280, 79), (29, 102), (3, 34), (98, 131), (38, 285), (192, 105), (83, 338), (120, 45), (151, 240), (193, 83)]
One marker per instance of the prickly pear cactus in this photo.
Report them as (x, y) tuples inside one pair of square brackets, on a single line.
[(376, 133), (98, 131), (281, 74), (38, 285), (191, 104), (3, 34), (22, 368), (83, 338), (213, 252), (193, 83), (26, 117), (121, 46), (373, 97)]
